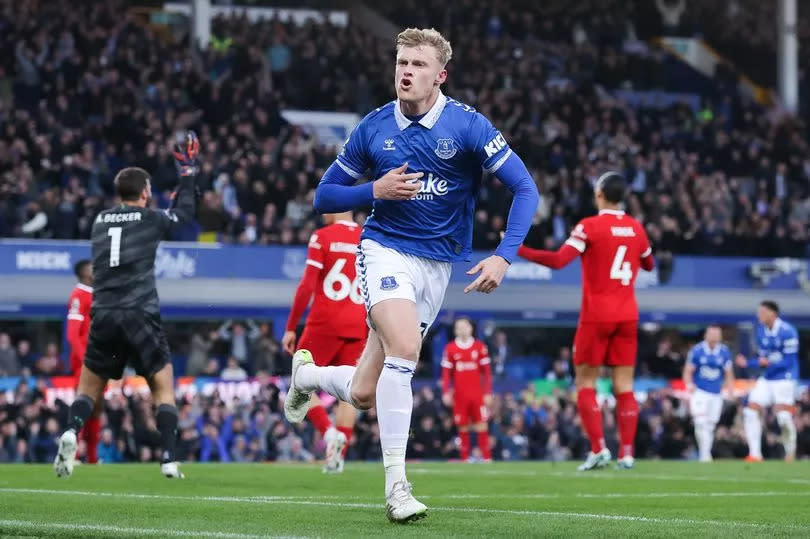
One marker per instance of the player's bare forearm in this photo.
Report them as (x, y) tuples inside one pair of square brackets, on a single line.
[(551, 259), (730, 382), (688, 371)]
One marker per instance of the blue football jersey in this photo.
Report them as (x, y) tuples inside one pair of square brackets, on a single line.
[(451, 145), (780, 345), (710, 366)]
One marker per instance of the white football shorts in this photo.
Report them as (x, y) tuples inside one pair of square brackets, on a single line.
[(705, 405), (769, 392), (386, 274)]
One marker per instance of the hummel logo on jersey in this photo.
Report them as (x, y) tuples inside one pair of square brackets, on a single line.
[(445, 148), (495, 145), (388, 145)]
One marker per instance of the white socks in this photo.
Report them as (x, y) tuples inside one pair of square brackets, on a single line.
[(785, 420), (337, 381), (704, 435), (394, 407), (753, 431)]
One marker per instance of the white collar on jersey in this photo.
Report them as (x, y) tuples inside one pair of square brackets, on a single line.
[(710, 350), (84, 287), (464, 345), (777, 325), (428, 120), (611, 212), (346, 223)]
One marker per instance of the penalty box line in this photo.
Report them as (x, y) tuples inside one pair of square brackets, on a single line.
[(271, 500), (38, 526)]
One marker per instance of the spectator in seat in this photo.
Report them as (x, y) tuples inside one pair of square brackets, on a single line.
[(9, 363)]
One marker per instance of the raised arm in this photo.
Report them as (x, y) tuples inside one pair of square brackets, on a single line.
[(183, 206)]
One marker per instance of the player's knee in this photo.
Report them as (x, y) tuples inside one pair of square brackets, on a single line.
[(363, 398), (405, 347), (584, 381)]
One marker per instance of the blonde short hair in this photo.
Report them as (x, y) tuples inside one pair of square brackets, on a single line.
[(414, 37)]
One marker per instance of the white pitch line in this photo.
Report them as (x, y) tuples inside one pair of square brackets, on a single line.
[(130, 495), (617, 495), (604, 474), (124, 530), (286, 501)]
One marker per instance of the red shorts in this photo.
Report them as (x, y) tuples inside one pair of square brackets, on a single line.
[(468, 409), (606, 343), (330, 350)]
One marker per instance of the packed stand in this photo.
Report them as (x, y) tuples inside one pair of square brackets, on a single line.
[(233, 350), (87, 92), (523, 425)]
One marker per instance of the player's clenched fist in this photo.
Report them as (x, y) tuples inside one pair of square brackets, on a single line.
[(398, 185), (492, 270)]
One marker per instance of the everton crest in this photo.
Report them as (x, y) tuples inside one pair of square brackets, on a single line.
[(445, 148)]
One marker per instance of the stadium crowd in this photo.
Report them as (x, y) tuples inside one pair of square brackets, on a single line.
[(88, 91), (523, 425)]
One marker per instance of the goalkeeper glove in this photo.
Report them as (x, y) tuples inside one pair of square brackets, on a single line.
[(186, 154)]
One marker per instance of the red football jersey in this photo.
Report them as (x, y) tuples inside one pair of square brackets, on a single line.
[(330, 277), (612, 246), (78, 324), (468, 366)]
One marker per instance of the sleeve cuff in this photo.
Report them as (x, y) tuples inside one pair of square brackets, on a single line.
[(577, 244)]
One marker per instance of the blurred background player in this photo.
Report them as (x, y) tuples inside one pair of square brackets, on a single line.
[(416, 230), (126, 328), (336, 330), (466, 366), (78, 330), (707, 366), (613, 247), (778, 363)]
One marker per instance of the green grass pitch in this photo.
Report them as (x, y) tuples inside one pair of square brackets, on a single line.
[(657, 499)]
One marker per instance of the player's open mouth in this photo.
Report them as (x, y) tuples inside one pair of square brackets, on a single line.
[(405, 83)]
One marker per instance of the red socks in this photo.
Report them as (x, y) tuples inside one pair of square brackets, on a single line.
[(465, 444), (348, 432), (318, 417), (92, 435), (591, 417), (483, 445), (627, 421)]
